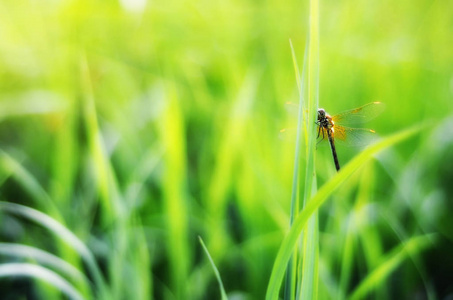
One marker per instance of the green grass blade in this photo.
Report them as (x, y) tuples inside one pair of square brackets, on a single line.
[(147, 164), (296, 68), (105, 179), (176, 209), (61, 232), (308, 286), (45, 258), (399, 230), (110, 200), (290, 281), (294, 200), (232, 139), (347, 258), (290, 240), (391, 262), (29, 270), (216, 271), (29, 183), (66, 158)]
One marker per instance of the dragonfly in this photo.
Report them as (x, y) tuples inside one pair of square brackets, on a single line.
[(332, 128)]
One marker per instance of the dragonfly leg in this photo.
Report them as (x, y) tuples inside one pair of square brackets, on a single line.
[(320, 129)]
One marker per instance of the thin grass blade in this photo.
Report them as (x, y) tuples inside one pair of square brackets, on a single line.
[(216, 271), (308, 285), (290, 281), (29, 183)]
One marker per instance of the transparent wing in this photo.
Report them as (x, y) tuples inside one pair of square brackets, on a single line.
[(292, 107), (360, 114), (354, 136), (287, 134)]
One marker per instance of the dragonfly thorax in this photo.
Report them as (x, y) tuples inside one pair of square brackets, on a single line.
[(324, 120)]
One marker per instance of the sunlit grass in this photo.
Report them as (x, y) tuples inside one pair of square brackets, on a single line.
[(126, 134)]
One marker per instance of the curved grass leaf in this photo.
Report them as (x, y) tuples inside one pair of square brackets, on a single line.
[(43, 257), (30, 270), (61, 232), (28, 182), (390, 263), (290, 240)]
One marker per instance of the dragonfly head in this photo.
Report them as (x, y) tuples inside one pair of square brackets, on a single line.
[(321, 114)]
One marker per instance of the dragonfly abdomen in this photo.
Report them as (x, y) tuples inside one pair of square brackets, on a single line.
[(334, 151)]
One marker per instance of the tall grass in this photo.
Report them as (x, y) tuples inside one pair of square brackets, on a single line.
[(306, 286)]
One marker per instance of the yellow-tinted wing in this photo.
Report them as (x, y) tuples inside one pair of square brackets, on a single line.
[(360, 114), (353, 136)]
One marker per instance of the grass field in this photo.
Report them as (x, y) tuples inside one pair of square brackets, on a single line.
[(141, 154)]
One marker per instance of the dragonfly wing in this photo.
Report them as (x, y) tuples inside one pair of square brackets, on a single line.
[(360, 114), (358, 137), (287, 134)]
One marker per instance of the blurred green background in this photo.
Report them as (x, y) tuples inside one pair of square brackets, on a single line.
[(141, 125)]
